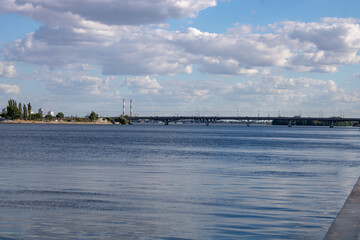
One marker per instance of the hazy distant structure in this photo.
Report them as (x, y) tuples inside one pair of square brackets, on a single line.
[(131, 108), (123, 107), (42, 112), (51, 113)]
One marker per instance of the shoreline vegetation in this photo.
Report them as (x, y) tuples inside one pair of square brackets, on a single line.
[(54, 122), (315, 123), (21, 113)]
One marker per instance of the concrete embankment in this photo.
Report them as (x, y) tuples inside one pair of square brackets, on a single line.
[(347, 223)]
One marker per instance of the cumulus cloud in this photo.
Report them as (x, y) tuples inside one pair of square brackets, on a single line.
[(9, 89), (89, 84), (325, 45), (110, 12), (237, 51), (318, 46), (126, 38), (172, 90), (131, 51), (143, 85), (290, 92), (267, 92), (7, 69), (107, 33), (327, 36), (143, 50), (98, 32), (71, 80)]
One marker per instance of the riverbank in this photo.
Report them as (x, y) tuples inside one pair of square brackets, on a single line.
[(347, 223), (54, 122)]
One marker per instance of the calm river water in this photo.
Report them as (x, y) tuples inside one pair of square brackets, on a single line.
[(173, 182)]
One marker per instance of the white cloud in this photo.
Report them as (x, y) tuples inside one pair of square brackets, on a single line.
[(130, 38), (327, 69), (268, 92), (226, 67), (318, 46), (110, 12), (147, 50), (143, 85), (355, 76), (70, 81), (233, 51), (188, 69), (325, 45), (7, 69), (133, 51), (292, 92), (9, 89)]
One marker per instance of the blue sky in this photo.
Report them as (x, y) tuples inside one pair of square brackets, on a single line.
[(23, 25), (263, 12), (185, 57)]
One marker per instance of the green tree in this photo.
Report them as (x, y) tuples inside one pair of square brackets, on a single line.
[(48, 117), (36, 116), (12, 110), (25, 112), (123, 120), (29, 110), (93, 116), (60, 115), (109, 119), (20, 110)]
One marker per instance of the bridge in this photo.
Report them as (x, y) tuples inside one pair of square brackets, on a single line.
[(211, 119)]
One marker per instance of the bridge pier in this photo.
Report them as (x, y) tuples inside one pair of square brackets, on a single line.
[(248, 123), (289, 125), (207, 122), (332, 124), (166, 122)]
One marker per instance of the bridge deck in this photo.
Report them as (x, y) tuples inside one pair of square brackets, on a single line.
[(216, 118), (347, 223)]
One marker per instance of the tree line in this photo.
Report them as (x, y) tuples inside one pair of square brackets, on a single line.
[(23, 112), (301, 122)]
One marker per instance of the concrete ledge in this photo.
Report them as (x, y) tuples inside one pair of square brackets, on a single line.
[(347, 223)]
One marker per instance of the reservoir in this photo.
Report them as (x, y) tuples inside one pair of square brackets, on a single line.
[(173, 182)]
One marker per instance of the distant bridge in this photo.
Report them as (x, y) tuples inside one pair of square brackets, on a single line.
[(209, 119)]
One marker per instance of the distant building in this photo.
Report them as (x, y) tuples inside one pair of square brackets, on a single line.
[(51, 113), (42, 112), (3, 110)]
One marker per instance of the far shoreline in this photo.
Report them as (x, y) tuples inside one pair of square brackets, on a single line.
[(54, 122)]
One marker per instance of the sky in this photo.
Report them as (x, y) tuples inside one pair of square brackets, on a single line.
[(182, 57)]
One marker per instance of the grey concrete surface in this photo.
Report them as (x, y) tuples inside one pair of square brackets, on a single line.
[(347, 223)]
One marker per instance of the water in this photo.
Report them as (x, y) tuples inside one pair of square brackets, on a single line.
[(173, 182)]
